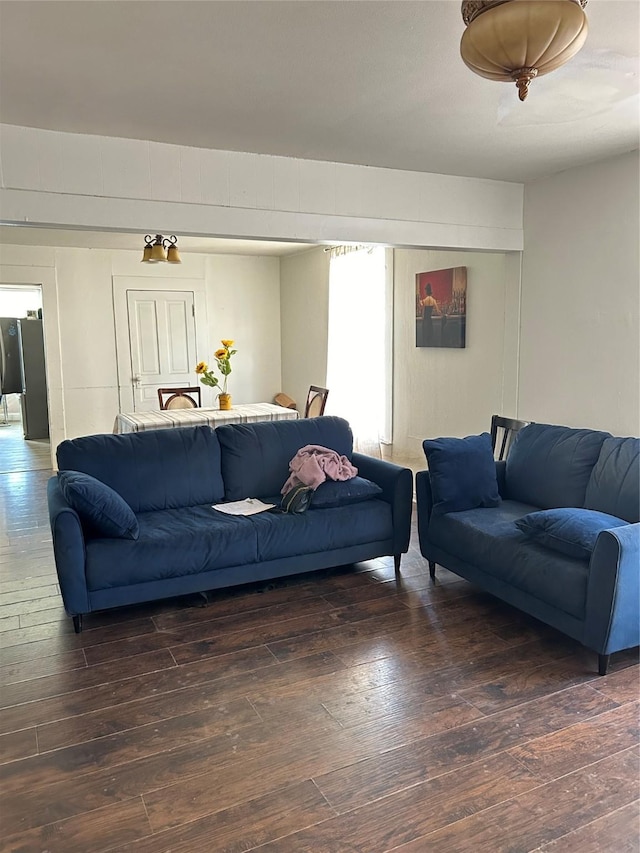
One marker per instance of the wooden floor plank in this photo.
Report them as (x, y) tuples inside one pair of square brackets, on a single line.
[(556, 754), (95, 831), (41, 667), (541, 815), (18, 745), (353, 785), (297, 758), (241, 827), (111, 750), (413, 812), (617, 831)]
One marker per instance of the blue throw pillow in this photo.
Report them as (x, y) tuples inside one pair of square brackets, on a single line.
[(340, 493), (568, 530), (98, 505), (462, 473)]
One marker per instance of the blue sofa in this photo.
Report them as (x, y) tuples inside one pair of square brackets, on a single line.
[(132, 518), (562, 540)]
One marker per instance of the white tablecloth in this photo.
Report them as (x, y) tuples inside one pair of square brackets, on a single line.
[(248, 413)]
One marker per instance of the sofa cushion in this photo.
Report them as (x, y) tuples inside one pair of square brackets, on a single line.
[(342, 493), (549, 466), (288, 535), (255, 457), (462, 472), (99, 507), (172, 543), (490, 540), (154, 470), (614, 485), (568, 530)]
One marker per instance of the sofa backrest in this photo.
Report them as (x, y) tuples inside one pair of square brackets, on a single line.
[(614, 485), (549, 466), (158, 469), (255, 457)]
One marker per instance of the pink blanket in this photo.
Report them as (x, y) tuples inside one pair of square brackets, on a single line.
[(313, 464)]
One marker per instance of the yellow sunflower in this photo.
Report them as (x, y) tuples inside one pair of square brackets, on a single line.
[(227, 343), (221, 353), (201, 367)]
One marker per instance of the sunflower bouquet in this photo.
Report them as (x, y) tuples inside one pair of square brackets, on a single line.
[(223, 361)]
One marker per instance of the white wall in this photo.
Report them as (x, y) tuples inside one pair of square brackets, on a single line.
[(581, 298), (436, 391), (67, 179), (304, 312), (439, 392), (242, 302), (243, 295)]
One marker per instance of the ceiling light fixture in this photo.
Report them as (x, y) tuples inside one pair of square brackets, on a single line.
[(517, 40), (160, 249)]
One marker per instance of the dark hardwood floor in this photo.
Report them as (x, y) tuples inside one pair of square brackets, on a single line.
[(341, 712)]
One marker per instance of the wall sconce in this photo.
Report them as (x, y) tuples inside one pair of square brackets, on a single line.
[(160, 249), (519, 40)]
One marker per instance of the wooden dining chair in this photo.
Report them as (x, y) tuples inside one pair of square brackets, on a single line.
[(179, 398), (505, 429), (316, 401)]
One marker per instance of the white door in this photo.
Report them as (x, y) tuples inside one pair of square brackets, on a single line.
[(162, 339)]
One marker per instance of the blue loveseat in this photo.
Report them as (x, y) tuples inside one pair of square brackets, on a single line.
[(141, 526), (561, 541)]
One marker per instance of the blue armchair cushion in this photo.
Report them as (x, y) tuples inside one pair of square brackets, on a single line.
[(255, 457), (568, 530), (549, 466), (614, 485), (158, 469), (341, 493), (98, 505), (462, 473)]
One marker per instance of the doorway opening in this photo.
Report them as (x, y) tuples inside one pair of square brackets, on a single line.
[(24, 417)]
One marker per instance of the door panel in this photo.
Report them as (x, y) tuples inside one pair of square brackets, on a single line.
[(162, 343), (177, 335)]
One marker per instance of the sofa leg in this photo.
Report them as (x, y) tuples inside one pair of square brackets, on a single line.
[(603, 664), (396, 562), (77, 623), (432, 570)]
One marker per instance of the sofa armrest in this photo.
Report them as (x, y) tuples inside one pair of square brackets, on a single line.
[(424, 506), (397, 489), (68, 550), (612, 618)]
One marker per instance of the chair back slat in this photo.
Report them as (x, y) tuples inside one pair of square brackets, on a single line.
[(179, 398), (316, 401), (509, 427)]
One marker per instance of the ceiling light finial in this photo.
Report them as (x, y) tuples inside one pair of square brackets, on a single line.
[(518, 40)]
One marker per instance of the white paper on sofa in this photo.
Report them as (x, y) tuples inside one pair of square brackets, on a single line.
[(249, 506)]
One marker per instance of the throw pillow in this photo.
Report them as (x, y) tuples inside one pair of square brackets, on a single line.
[(568, 530), (334, 493), (462, 473), (98, 505)]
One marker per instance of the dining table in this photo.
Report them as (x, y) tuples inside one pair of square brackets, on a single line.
[(176, 418)]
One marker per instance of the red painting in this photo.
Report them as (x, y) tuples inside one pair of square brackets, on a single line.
[(441, 308)]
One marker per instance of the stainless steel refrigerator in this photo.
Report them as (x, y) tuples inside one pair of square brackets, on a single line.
[(22, 371)]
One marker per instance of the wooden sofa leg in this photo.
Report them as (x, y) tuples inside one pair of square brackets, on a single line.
[(603, 664), (432, 570), (77, 623), (396, 562)]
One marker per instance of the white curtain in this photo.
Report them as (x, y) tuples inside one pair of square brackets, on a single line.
[(358, 369)]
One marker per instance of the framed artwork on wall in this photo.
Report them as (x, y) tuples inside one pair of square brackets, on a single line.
[(441, 308)]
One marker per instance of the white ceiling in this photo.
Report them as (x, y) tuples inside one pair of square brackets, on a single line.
[(377, 83)]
